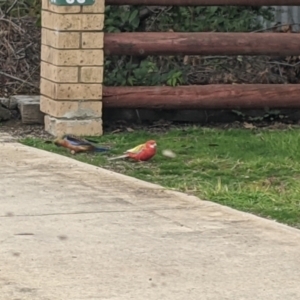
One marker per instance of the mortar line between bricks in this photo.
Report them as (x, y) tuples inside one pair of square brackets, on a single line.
[(101, 212)]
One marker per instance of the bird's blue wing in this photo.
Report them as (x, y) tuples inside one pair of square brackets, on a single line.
[(76, 141)]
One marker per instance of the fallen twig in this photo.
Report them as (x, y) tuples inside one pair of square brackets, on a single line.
[(18, 79), (284, 64), (275, 26)]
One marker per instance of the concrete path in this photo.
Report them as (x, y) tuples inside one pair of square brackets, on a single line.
[(71, 231)]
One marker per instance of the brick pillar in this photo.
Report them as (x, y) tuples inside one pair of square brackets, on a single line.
[(72, 68)]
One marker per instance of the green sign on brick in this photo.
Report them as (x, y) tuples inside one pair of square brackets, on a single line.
[(72, 2)]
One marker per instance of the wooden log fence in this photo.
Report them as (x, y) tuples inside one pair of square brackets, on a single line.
[(204, 43), (204, 2), (222, 96), (214, 96)]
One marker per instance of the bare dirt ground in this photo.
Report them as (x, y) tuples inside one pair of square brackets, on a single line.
[(20, 131)]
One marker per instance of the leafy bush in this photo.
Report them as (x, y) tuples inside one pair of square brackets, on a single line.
[(171, 70)]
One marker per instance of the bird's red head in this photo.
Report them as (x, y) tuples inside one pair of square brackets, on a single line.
[(151, 144)]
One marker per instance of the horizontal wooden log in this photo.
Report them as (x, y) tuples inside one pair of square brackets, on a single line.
[(203, 2), (204, 43), (220, 96)]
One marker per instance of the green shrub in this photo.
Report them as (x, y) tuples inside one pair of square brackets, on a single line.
[(124, 70)]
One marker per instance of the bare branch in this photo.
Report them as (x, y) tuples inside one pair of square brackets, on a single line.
[(11, 7), (18, 79)]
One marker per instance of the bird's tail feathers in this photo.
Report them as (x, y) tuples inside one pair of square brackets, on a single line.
[(101, 149), (118, 157)]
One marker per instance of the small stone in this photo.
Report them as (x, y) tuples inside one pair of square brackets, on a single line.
[(5, 102), (5, 114)]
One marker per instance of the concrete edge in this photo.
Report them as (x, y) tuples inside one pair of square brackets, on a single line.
[(134, 182)]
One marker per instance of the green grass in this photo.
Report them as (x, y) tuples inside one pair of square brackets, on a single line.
[(257, 171)]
